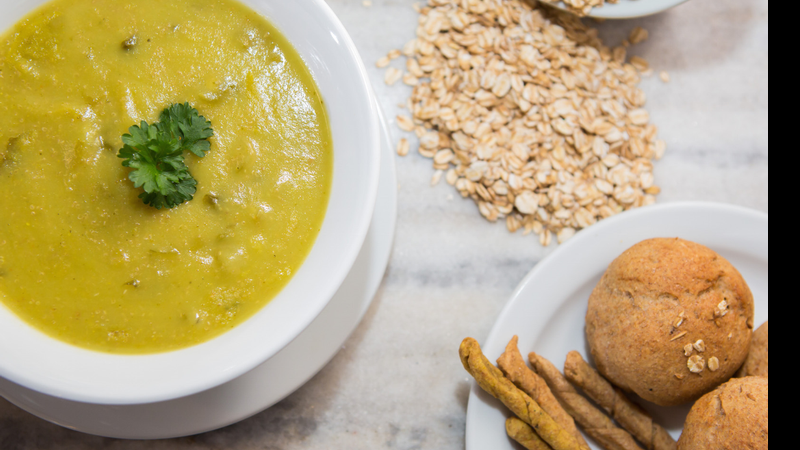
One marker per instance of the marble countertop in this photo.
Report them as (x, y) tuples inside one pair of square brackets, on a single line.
[(397, 382)]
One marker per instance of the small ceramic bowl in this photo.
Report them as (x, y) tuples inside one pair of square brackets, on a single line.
[(629, 9), (36, 361)]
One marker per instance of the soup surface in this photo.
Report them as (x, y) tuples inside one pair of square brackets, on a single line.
[(82, 258)]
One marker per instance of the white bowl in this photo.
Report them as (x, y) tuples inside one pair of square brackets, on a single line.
[(36, 361), (629, 9)]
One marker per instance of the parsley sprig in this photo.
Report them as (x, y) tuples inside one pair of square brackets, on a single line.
[(155, 153)]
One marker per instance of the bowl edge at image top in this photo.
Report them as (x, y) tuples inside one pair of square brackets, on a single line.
[(628, 9), (69, 372)]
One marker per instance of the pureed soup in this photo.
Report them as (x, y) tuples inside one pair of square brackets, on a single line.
[(82, 258)]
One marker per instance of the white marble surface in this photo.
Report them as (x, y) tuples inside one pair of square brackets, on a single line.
[(397, 383)]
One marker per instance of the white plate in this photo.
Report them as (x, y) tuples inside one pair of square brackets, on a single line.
[(548, 309), (265, 385), (629, 9)]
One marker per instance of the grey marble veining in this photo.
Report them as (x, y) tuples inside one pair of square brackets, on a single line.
[(397, 383)]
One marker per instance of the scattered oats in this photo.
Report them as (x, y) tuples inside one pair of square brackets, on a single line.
[(660, 147), (730, 336), (410, 48), (639, 117), (653, 190), (451, 177), (405, 123), (444, 156), (664, 75), (700, 346), (513, 223), (414, 69), (688, 350), (392, 76), (546, 238), (680, 376), (383, 62), (394, 54), (402, 147), (638, 35), (367, 3), (681, 318), (488, 211), (696, 364), (410, 80), (437, 177), (680, 335), (640, 63), (713, 364), (565, 234), (529, 114), (527, 202), (429, 140)]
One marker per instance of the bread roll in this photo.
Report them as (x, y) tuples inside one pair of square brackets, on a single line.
[(735, 416), (670, 320), (757, 363)]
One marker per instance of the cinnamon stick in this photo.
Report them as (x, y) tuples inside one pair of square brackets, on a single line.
[(628, 414), (515, 369), (593, 421)]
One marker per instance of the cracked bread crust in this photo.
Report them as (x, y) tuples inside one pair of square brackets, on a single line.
[(654, 299), (733, 417)]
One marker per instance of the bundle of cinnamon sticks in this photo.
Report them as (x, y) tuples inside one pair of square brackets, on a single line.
[(547, 405)]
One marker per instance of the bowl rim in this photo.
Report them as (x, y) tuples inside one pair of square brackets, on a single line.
[(627, 9), (50, 384)]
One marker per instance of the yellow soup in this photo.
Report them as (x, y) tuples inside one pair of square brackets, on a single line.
[(82, 258)]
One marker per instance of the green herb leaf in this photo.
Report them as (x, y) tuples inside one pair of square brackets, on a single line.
[(193, 128), (155, 153)]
